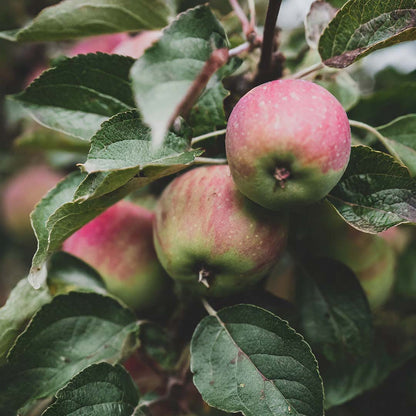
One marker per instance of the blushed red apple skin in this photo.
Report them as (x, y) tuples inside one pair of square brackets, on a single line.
[(20, 195), (100, 43), (294, 125), (204, 222), (119, 245)]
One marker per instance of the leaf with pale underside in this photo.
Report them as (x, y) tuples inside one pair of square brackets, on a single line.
[(362, 26), (163, 76), (318, 17), (401, 136), (245, 359), (64, 337), (72, 19), (41, 138), (342, 86), (375, 192), (20, 306), (78, 94)]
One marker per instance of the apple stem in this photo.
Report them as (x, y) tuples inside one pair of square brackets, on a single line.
[(380, 137), (307, 71), (265, 67), (204, 277), (282, 175), (210, 161), (201, 138), (218, 58)]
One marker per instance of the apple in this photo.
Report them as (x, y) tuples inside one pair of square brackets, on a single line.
[(288, 143), (20, 195), (100, 43), (119, 245), (207, 232), (369, 256), (136, 45)]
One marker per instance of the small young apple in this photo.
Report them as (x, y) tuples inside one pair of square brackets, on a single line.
[(207, 232), (20, 195), (119, 244), (288, 143)]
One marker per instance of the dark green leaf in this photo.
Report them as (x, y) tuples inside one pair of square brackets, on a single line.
[(158, 345), (386, 104), (245, 359), (64, 337), (80, 18), (99, 390), (401, 136), (21, 305), (375, 192), (335, 316), (66, 272), (362, 27), (347, 379), (77, 95), (163, 76)]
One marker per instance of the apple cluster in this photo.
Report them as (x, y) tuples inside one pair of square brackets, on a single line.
[(220, 229)]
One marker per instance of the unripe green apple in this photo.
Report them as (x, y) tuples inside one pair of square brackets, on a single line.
[(20, 195), (207, 231), (369, 256), (288, 143), (119, 244)]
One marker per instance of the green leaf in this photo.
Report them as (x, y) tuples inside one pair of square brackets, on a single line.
[(120, 160), (401, 136), (124, 144), (318, 17), (335, 316), (66, 273), (343, 87), (163, 76), (59, 215), (362, 27), (21, 305), (375, 192), (208, 113), (347, 379), (80, 18), (386, 104), (64, 337), (158, 345), (245, 359), (99, 390), (41, 138), (77, 95)]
